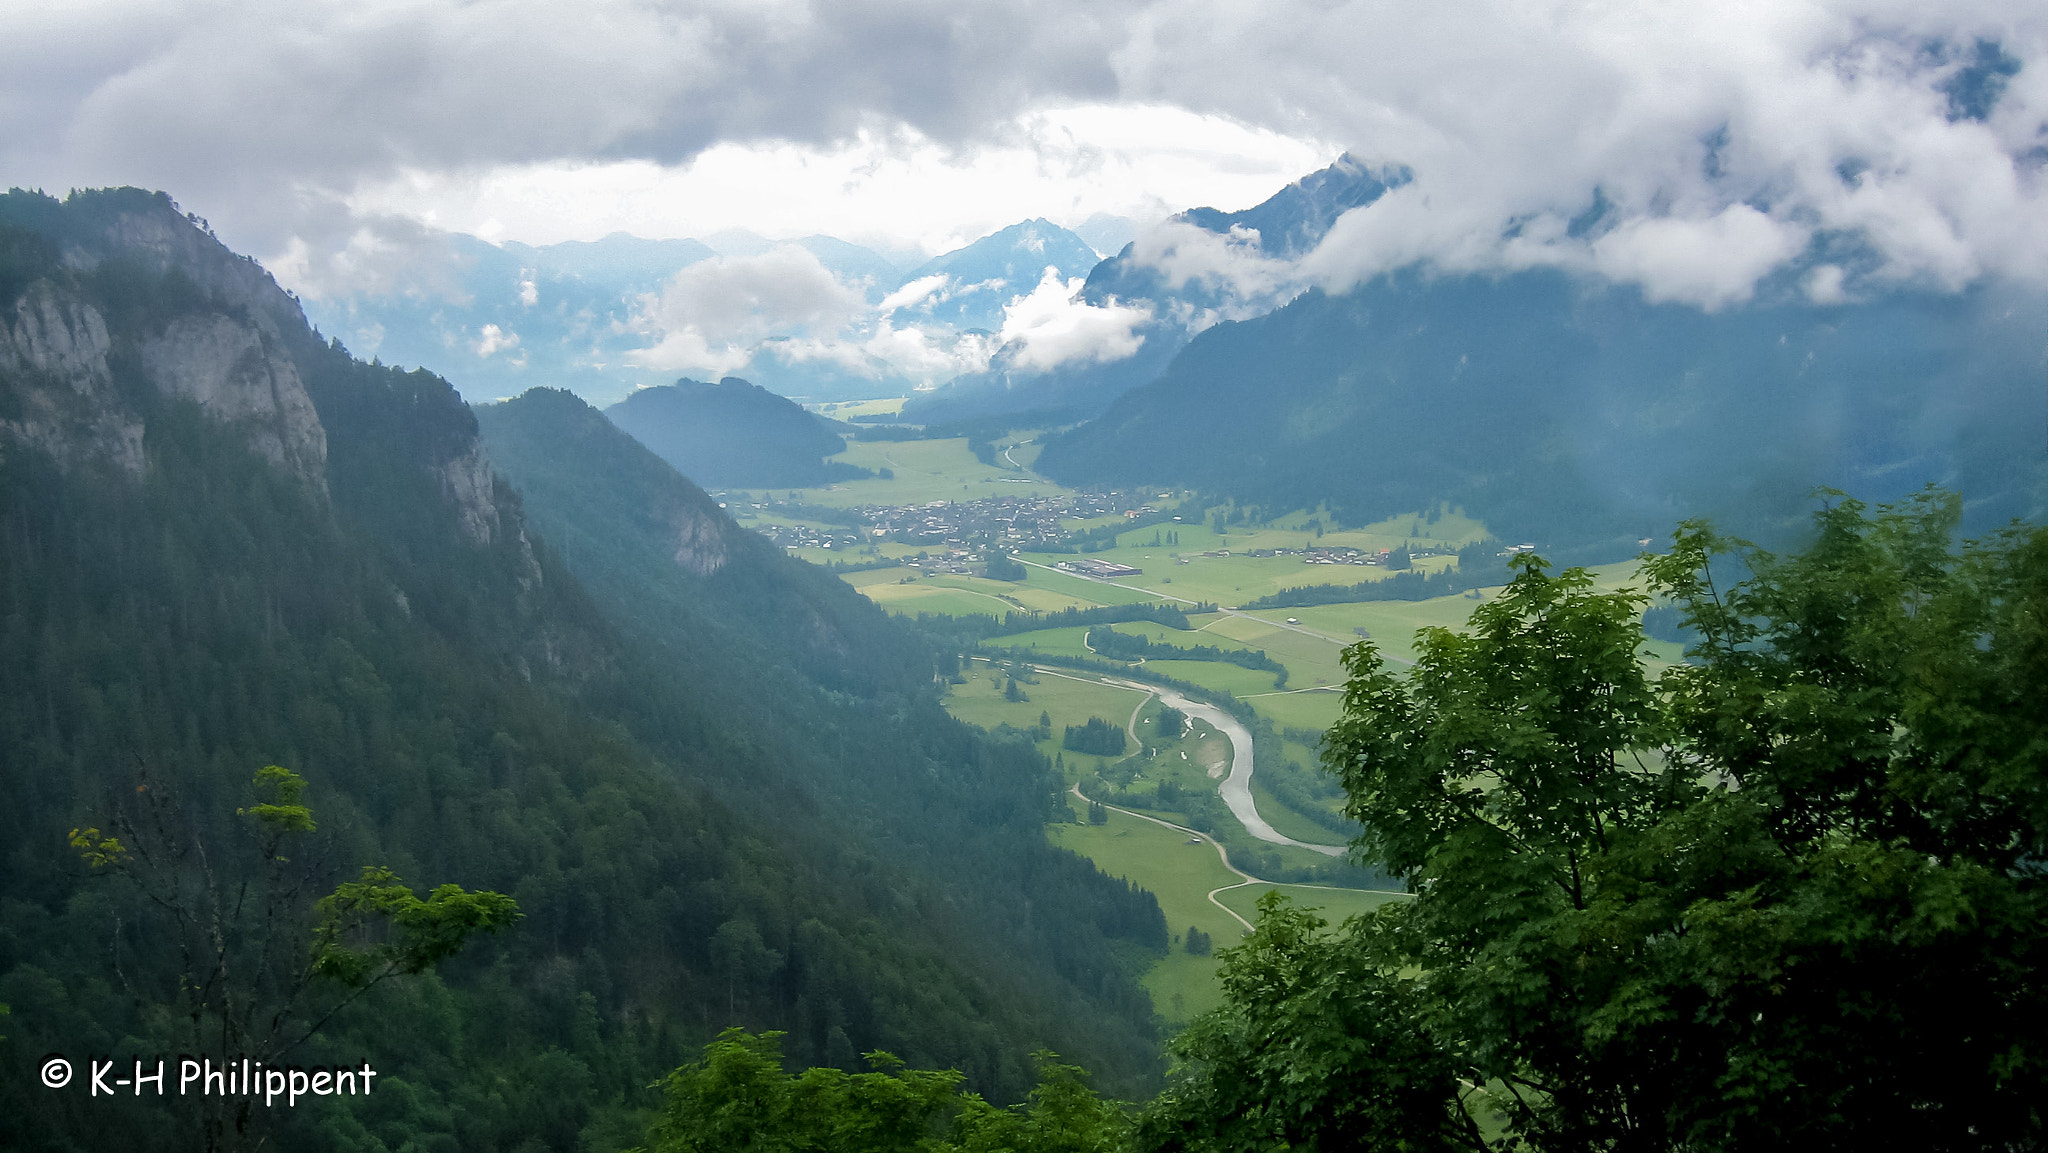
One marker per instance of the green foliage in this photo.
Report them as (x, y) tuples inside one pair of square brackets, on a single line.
[(1172, 723), (736, 1097), (1314, 1048), (96, 848), (1100, 737), (1198, 943), (419, 933), (637, 764), (1479, 566), (282, 813), (1130, 647), (1005, 568), (1788, 896)]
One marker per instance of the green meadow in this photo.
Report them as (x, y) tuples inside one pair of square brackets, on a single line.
[(1333, 905), (1181, 871)]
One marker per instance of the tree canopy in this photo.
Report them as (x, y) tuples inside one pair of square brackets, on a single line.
[(1787, 894)]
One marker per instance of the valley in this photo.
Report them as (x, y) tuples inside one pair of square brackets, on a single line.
[(919, 543)]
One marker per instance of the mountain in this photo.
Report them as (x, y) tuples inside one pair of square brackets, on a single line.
[(1295, 219), (718, 784), (499, 319), (982, 277), (733, 434), (875, 273), (1570, 410), (1284, 226), (621, 261)]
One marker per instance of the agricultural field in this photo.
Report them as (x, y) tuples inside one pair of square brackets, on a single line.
[(1316, 709), (1180, 871), (900, 590), (1067, 700), (847, 410), (1333, 905), (924, 470)]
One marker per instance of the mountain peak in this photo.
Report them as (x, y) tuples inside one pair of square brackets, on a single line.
[(1295, 219)]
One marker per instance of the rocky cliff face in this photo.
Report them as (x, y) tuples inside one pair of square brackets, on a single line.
[(232, 343), (53, 349), (240, 377), (95, 274)]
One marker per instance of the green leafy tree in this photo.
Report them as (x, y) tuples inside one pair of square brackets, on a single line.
[(1172, 723), (263, 966), (737, 1097), (1787, 896)]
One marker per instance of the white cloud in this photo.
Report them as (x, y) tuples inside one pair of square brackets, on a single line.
[(303, 130), (1712, 262), (1053, 326), (1824, 285), (711, 313), (494, 339), (913, 293), (1229, 266), (1752, 123)]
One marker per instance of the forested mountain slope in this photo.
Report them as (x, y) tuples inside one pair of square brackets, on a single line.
[(1569, 411), (733, 434), (225, 544)]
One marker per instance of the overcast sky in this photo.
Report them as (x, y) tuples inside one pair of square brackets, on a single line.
[(1722, 140)]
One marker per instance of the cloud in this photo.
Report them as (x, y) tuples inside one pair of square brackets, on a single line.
[(1711, 262), (494, 339), (1608, 138), (1681, 147), (1053, 326), (711, 312), (339, 255), (913, 293), (1230, 268)]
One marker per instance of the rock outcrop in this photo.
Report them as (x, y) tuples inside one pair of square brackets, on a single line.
[(54, 350), (244, 380)]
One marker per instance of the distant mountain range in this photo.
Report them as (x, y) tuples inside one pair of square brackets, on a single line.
[(978, 280), (1283, 227), (1552, 406), (583, 315)]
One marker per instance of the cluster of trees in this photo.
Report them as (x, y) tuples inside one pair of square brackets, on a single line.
[(737, 1096), (1170, 723), (1108, 642), (1097, 736), (1002, 567), (1480, 565), (965, 630), (1788, 896)]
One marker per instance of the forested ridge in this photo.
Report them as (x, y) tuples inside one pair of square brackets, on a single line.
[(696, 833)]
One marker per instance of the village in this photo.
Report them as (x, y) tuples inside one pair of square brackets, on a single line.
[(1029, 523)]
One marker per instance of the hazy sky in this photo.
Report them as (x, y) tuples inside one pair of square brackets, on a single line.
[(1696, 146)]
